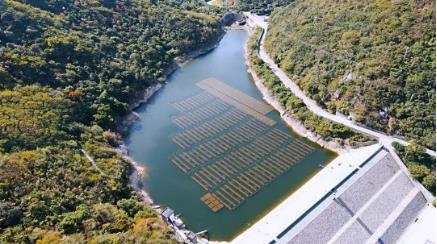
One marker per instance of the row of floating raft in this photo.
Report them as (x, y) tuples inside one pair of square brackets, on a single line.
[(237, 95), (193, 102), (219, 124), (251, 106), (229, 147), (219, 172), (203, 113), (217, 146), (246, 170)]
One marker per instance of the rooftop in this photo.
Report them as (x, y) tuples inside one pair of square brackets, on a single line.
[(363, 196), (167, 213)]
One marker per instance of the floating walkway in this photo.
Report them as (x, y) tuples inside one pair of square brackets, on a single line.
[(229, 147)]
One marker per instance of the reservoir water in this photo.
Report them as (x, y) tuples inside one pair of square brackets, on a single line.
[(150, 143)]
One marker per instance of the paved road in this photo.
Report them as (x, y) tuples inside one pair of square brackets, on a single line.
[(384, 139)]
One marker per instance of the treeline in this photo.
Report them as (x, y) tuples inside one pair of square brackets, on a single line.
[(295, 107), (373, 60), (261, 7), (69, 71), (50, 192)]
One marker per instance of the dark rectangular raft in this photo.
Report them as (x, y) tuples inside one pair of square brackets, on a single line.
[(229, 146)]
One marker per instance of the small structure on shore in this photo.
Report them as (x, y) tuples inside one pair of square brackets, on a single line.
[(180, 232), (169, 217), (167, 214)]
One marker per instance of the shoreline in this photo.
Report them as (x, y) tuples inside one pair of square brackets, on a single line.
[(294, 124), (132, 116), (137, 171)]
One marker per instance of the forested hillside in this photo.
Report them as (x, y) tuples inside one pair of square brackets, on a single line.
[(295, 107), (68, 73), (372, 59), (100, 54), (420, 164), (260, 7)]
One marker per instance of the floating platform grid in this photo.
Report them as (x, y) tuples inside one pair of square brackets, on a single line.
[(229, 147), (242, 102), (203, 113), (193, 102), (235, 94), (212, 202), (217, 125)]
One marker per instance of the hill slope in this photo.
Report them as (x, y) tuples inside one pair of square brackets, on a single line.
[(374, 60), (260, 7), (68, 72)]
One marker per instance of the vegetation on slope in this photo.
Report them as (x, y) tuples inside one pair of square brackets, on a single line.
[(374, 60), (101, 54), (327, 129), (260, 7), (420, 164), (68, 73), (54, 194)]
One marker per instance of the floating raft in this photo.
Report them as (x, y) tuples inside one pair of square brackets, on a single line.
[(203, 113), (193, 102), (217, 125), (237, 95), (212, 202), (247, 105), (229, 147)]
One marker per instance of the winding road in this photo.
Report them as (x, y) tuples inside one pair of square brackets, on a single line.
[(384, 139)]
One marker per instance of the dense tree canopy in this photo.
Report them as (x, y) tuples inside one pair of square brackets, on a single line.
[(328, 130), (373, 59), (421, 165), (33, 117), (69, 71), (101, 53), (55, 194), (260, 7)]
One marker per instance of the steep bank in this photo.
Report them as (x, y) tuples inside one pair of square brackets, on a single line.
[(143, 97), (296, 125), (227, 21), (335, 144), (373, 61)]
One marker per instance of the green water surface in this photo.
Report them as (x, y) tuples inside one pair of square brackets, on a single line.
[(149, 143)]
